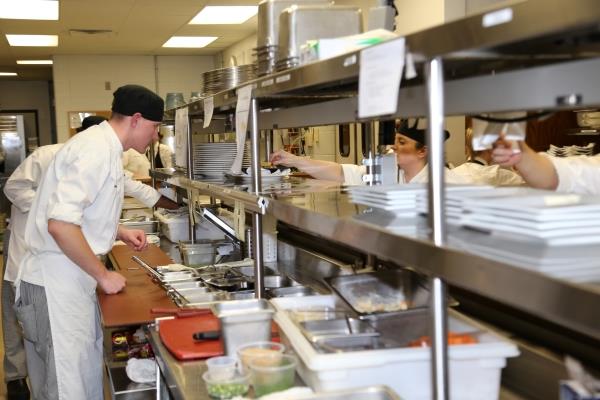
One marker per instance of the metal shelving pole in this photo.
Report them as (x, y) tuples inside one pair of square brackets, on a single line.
[(436, 217), (190, 175), (257, 237)]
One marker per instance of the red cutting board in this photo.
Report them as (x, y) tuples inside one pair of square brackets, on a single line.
[(176, 335)]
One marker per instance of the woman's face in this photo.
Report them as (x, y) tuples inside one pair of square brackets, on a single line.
[(407, 152)]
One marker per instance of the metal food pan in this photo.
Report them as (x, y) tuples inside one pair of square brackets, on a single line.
[(291, 291), (367, 393), (332, 328), (186, 284), (168, 277), (381, 292)]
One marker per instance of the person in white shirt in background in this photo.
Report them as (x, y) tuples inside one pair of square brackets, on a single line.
[(579, 174), (478, 168), (74, 219), (136, 164), (411, 159), (163, 156)]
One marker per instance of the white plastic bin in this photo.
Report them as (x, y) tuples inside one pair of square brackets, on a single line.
[(475, 369), (176, 228)]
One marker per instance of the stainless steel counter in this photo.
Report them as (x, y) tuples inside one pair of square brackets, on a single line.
[(324, 209), (183, 378)]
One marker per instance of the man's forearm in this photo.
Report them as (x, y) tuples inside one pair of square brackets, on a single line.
[(71, 241), (537, 170)]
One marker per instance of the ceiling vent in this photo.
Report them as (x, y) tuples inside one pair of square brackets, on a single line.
[(91, 32)]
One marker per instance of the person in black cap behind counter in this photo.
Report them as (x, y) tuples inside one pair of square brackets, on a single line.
[(74, 219), (411, 159)]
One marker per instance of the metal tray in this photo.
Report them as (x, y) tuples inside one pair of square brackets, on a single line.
[(186, 284), (382, 292), (346, 344), (291, 291), (318, 330), (168, 277), (367, 393)]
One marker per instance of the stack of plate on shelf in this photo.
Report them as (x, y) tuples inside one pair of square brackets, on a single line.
[(537, 215), (577, 263), (570, 151), (401, 200), (213, 160), (217, 80)]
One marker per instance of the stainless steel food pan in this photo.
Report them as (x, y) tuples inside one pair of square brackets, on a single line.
[(168, 277), (268, 19), (367, 393), (291, 291), (298, 24), (243, 321), (317, 330), (186, 285), (148, 226)]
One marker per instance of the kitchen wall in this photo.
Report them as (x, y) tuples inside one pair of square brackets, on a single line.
[(29, 95), (241, 52), (86, 83)]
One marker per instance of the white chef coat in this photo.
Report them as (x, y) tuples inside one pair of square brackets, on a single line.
[(353, 175), (136, 163), (579, 174), (20, 190), (84, 186), (488, 174)]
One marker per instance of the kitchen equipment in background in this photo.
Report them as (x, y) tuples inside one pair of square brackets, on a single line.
[(588, 118), (297, 24), (267, 37), (174, 100), (144, 223), (221, 79)]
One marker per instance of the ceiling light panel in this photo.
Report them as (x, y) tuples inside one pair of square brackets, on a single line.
[(33, 40), (189, 42), (29, 9), (8, 74), (34, 62), (220, 15)]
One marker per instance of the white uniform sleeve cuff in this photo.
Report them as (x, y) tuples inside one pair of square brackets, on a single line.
[(66, 213)]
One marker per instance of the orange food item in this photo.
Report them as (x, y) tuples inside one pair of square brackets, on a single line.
[(453, 339)]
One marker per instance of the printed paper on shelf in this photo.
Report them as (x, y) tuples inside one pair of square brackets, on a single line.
[(181, 132), (209, 107), (379, 78), (244, 95)]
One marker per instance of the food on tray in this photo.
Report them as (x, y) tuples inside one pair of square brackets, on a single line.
[(263, 357), (453, 339), (374, 303)]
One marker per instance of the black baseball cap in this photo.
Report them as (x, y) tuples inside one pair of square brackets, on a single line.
[(131, 99), (416, 134), (90, 121)]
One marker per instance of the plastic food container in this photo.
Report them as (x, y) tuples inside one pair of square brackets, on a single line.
[(226, 389), (277, 376), (474, 369), (268, 352), (221, 368)]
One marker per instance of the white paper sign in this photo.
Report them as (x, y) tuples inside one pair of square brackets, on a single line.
[(244, 95), (209, 107), (181, 139), (379, 78)]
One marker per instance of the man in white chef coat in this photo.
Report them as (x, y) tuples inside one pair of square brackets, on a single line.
[(579, 174), (74, 219)]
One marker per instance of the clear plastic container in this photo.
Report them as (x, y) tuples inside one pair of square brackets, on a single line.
[(269, 352), (277, 376), (238, 385), (221, 368)]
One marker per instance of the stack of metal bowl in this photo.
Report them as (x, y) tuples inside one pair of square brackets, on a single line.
[(217, 80)]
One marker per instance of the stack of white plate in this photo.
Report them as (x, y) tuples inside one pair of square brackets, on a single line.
[(540, 215), (571, 151), (213, 160), (398, 199)]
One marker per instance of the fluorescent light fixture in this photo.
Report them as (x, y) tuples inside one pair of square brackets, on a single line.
[(189, 41), (217, 15), (34, 62), (29, 9), (8, 74), (33, 40)]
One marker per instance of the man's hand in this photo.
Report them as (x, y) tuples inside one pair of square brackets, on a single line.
[(112, 282), (134, 238), (282, 157), (504, 154)]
